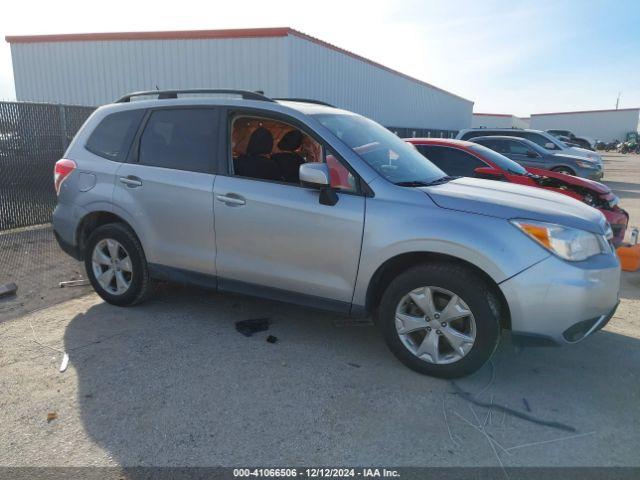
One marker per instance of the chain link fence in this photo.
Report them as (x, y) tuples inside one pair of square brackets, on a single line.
[(33, 136)]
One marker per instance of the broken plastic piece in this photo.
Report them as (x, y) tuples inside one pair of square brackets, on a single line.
[(64, 363), (74, 283), (8, 289), (251, 326)]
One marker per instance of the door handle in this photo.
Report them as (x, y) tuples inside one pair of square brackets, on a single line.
[(231, 200), (131, 181)]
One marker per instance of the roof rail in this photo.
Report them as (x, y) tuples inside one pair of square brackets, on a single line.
[(164, 94), (305, 100)]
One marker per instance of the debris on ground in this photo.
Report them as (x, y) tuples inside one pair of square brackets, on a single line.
[(64, 363), (272, 339), (74, 283), (526, 404), (8, 289), (253, 325), (51, 416), (354, 365)]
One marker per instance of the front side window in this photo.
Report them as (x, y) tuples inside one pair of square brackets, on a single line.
[(390, 156), (540, 140), (517, 148), (112, 137), (272, 150), (181, 139)]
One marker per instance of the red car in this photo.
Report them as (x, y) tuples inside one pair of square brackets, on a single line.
[(467, 159)]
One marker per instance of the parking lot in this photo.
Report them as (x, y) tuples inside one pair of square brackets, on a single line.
[(172, 383)]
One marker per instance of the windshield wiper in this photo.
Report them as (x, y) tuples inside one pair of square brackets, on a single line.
[(422, 183)]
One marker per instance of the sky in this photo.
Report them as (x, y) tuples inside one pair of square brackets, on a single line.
[(517, 57)]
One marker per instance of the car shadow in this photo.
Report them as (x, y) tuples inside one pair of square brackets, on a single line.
[(172, 383)]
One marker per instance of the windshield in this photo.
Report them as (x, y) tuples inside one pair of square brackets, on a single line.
[(390, 156), (500, 160)]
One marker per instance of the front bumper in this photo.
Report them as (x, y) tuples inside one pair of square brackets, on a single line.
[(594, 174), (618, 219), (563, 302)]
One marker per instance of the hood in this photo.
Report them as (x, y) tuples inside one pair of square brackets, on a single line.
[(574, 156), (509, 200), (597, 187), (583, 152)]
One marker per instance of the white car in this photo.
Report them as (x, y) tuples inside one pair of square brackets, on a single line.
[(544, 139)]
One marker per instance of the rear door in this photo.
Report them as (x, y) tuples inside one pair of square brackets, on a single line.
[(166, 188), (275, 237)]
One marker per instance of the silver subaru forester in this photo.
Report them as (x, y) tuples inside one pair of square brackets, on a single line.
[(297, 201)]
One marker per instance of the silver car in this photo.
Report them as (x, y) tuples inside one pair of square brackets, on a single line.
[(305, 203), (543, 139), (530, 154)]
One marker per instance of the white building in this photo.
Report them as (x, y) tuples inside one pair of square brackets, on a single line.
[(93, 69), (497, 120), (603, 125)]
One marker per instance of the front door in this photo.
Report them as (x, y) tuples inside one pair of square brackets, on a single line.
[(272, 234)]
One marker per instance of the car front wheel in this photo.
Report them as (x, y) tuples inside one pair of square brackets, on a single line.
[(440, 319)]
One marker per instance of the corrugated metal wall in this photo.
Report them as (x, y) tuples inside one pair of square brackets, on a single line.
[(497, 121), (492, 121), (97, 72), (390, 99), (605, 126)]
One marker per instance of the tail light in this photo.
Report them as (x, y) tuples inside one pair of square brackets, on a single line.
[(61, 171)]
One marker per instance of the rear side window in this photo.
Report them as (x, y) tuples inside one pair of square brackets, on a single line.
[(113, 136), (181, 139)]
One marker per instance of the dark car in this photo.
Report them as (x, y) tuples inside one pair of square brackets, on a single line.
[(572, 138), (529, 154)]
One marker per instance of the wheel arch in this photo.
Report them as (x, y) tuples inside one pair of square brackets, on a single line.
[(399, 263), (557, 168), (93, 220)]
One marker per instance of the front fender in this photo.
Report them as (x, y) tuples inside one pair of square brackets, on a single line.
[(491, 244)]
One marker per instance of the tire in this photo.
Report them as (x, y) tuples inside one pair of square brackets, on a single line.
[(566, 170), (475, 293), (128, 246)]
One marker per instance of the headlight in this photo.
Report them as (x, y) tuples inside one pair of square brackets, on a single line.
[(568, 243), (584, 164)]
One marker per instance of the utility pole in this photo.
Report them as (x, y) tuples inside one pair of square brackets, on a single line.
[(618, 100)]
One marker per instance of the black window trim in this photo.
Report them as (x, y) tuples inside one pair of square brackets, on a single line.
[(226, 164), (125, 156), (134, 151)]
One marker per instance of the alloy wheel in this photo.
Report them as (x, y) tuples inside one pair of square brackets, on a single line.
[(435, 325), (112, 266)]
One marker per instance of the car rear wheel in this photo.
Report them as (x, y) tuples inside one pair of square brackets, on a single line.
[(116, 265), (440, 319)]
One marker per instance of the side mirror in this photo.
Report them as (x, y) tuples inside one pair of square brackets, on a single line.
[(316, 175), (532, 154), (488, 172), (550, 146)]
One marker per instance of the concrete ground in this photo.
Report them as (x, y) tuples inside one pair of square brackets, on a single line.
[(171, 382)]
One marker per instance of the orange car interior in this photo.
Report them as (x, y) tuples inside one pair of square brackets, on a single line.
[(272, 150)]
